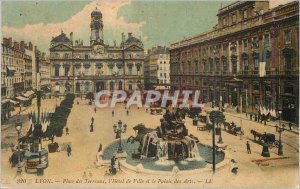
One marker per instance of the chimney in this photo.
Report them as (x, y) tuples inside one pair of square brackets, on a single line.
[(5, 41), (123, 37), (30, 47), (129, 35), (10, 42), (22, 45), (16, 45), (71, 37)]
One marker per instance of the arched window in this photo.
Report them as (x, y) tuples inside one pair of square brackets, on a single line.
[(130, 85), (87, 86), (120, 85), (138, 68), (67, 69), (66, 56), (56, 55), (111, 85), (77, 87), (56, 70)]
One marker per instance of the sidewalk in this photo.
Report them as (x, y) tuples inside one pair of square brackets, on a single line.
[(295, 129)]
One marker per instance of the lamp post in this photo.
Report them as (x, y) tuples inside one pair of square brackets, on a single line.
[(118, 131), (18, 126), (280, 129)]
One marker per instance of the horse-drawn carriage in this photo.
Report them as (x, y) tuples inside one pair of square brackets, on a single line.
[(266, 138), (232, 128)]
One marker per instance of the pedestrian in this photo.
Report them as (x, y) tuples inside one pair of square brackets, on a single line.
[(67, 131), (127, 112), (69, 150), (248, 148), (95, 109), (92, 128), (255, 117), (112, 113), (251, 117), (290, 126), (92, 120), (146, 110)]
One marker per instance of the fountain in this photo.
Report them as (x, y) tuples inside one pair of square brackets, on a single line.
[(168, 149), (169, 141)]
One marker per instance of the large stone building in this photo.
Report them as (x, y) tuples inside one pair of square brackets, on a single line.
[(157, 67), (80, 69), (12, 68), (250, 58)]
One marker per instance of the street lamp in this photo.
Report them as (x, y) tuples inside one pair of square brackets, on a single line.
[(280, 129), (18, 126), (118, 131)]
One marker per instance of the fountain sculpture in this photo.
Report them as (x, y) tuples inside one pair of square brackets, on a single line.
[(169, 141)]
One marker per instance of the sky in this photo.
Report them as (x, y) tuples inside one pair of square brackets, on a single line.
[(155, 22)]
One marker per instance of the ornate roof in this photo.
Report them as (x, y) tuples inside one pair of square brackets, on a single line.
[(96, 12), (61, 38), (132, 39)]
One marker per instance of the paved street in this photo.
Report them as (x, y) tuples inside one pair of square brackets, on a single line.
[(279, 171)]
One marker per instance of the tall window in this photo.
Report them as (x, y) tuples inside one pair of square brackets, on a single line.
[(77, 87), (256, 63), (67, 69), (111, 85), (196, 66), (224, 65), (245, 45), (87, 86), (120, 85), (287, 37), (233, 18), (255, 43), (130, 69), (288, 62), (66, 56), (234, 67), (267, 41), (217, 64), (211, 65), (224, 50), (130, 86), (56, 70), (224, 22), (246, 66), (204, 66), (138, 68), (245, 14)]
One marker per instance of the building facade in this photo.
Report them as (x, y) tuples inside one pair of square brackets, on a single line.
[(249, 59), (13, 68), (157, 66), (18, 69), (80, 69)]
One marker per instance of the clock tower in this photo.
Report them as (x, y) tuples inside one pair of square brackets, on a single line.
[(96, 28)]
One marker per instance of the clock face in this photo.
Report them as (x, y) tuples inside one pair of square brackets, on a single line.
[(98, 49)]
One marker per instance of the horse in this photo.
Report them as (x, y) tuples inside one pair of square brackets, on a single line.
[(256, 134)]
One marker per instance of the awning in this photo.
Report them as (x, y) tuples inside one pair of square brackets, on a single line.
[(20, 98), (10, 68), (28, 94), (9, 101)]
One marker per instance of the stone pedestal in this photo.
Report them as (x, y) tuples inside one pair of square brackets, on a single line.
[(265, 152)]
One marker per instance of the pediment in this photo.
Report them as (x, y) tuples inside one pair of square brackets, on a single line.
[(134, 48), (61, 47)]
